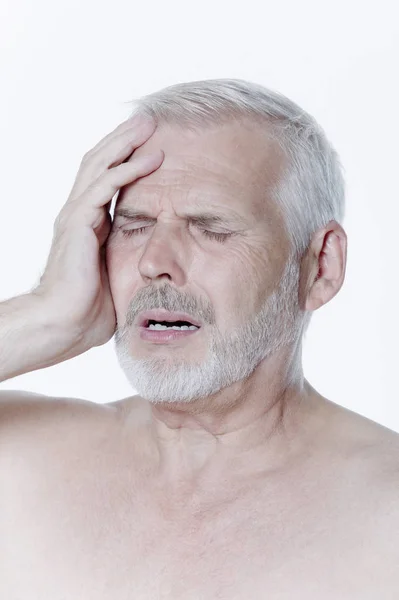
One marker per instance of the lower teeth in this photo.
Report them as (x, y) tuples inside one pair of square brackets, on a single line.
[(176, 328)]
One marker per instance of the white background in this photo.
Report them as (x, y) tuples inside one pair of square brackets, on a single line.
[(68, 71)]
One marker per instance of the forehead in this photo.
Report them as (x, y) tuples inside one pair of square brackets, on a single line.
[(231, 164)]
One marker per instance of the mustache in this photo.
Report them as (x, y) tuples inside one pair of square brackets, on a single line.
[(168, 298)]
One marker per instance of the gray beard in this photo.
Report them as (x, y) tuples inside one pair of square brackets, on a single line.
[(230, 358)]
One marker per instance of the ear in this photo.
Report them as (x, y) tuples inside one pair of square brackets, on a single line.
[(324, 266)]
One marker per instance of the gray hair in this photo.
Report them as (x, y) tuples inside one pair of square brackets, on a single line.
[(311, 191)]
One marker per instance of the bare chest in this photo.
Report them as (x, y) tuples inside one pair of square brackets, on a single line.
[(66, 537)]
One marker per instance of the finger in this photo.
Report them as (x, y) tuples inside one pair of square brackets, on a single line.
[(103, 157), (105, 187), (131, 122), (117, 150)]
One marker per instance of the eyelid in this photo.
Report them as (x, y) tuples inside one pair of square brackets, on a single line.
[(198, 222), (213, 235), (143, 223), (135, 225)]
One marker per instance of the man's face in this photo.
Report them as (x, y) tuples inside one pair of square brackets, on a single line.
[(229, 283)]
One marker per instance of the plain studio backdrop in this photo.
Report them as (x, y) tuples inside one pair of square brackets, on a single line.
[(68, 72)]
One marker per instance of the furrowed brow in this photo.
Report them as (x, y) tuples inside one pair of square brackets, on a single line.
[(208, 219), (133, 215), (203, 219)]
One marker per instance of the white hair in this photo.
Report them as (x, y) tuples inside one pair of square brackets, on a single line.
[(311, 191)]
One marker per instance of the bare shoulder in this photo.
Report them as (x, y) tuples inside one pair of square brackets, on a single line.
[(21, 402), (26, 415), (360, 434), (368, 456)]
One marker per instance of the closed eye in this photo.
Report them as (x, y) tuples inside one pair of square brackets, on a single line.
[(220, 237), (130, 232)]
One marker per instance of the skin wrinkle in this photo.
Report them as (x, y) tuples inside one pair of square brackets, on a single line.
[(229, 476), (221, 411)]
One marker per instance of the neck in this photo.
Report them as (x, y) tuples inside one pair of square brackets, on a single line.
[(252, 425)]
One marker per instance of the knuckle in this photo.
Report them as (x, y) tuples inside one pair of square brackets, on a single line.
[(87, 157), (87, 154), (101, 163), (107, 177), (60, 220), (95, 163), (58, 225)]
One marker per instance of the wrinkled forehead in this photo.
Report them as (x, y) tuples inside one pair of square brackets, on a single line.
[(234, 162)]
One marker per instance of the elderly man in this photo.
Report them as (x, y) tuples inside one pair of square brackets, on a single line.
[(229, 476)]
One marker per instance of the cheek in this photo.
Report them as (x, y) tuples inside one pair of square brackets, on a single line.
[(115, 257), (241, 284), (121, 277), (248, 267), (231, 300), (114, 264)]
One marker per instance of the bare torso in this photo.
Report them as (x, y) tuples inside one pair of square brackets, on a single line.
[(82, 515)]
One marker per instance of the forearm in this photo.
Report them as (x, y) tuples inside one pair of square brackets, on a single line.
[(29, 339)]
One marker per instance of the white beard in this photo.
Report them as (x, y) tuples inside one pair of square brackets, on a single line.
[(230, 358)]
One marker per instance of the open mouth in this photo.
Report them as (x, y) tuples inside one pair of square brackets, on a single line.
[(153, 325), (167, 331)]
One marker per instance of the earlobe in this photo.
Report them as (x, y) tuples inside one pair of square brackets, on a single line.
[(316, 297), (315, 294)]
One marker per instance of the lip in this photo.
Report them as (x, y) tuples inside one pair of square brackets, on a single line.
[(164, 315), (164, 336)]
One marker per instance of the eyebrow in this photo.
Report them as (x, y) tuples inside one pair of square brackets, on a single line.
[(204, 218)]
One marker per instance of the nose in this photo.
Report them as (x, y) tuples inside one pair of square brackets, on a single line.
[(163, 256)]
